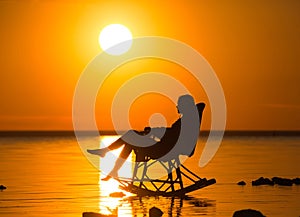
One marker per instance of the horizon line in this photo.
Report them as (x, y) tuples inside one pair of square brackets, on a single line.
[(47, 133)]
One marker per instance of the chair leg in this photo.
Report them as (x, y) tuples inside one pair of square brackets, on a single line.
[(135, 170), (172, 182), (145, 167), (178, 172), (170, 175)]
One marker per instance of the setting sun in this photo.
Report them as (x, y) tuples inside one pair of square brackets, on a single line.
[(78, 78), (115, 34)]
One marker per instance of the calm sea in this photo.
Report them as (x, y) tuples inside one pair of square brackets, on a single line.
[(49, 176)]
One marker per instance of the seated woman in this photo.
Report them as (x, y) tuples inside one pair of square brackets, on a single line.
[(155, 143)]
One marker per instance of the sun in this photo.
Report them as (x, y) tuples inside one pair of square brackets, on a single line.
[(112, 35)]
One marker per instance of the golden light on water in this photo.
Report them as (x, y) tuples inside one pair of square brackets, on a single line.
[(107, 162), (107, 204)]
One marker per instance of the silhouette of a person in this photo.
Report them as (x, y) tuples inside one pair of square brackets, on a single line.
[(152, 143)]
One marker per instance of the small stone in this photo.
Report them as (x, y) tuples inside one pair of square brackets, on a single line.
[(93, 214), (262, 181), (155, 212), (248, 213), (296, 181), (241, 183), (282, 181), (2, 187)]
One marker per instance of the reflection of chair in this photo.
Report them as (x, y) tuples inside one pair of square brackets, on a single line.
[(173, 183)]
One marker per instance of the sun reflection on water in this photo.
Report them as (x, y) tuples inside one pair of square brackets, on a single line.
[(112, 205)]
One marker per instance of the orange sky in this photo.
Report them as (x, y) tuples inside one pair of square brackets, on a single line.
[(253, 47)]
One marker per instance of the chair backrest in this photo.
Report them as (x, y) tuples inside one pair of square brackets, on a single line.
[(185, 149), (200, 108)]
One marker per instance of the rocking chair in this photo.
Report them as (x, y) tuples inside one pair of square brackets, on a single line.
[(173, 183)]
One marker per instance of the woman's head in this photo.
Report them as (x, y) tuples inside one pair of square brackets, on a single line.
[(185, 103)]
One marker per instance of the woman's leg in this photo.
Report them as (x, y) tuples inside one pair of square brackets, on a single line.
[(115, 145), (119, 162), (102, 151)]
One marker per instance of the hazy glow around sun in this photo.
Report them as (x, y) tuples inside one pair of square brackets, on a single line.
[(112, 35)]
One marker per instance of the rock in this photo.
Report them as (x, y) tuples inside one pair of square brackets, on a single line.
[(247, 213), (296, 181), (117, 194), (93, 214), (241, 183), (282, 181), (262, 181), (2, 187), (155, 212)]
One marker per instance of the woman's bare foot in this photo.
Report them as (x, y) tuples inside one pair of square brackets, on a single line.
[(100, 152), (112, 174)]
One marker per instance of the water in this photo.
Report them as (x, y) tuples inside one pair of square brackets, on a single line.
[(51, 177)]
